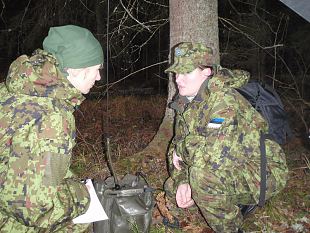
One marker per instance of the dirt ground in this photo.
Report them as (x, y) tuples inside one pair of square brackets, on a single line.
[(130, 123)]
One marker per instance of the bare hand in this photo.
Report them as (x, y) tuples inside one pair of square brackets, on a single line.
[(184, 196)]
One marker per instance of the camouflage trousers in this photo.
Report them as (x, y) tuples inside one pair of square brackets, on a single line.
[(220, 211), (10, 225)]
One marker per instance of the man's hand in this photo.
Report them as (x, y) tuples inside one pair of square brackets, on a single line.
[(176, 161), (184, 196)]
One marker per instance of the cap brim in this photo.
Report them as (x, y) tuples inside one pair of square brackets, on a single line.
[(172, 68), (181, 69)]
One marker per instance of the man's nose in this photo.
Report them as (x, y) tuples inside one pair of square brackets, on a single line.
[(98, 77)]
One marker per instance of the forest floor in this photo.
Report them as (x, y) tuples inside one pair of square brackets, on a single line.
[(131, 122)]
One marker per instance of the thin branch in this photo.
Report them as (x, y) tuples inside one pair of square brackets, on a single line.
[(229, 22), (255, 6), (163, 78), (275, 51), (156, 4), (25, 11), (234, 8), (21, 25), (125, 48), (86, 7), (294, 86), (135, 72), (273, 46), (131, 16), (3, 7), (65, 4)]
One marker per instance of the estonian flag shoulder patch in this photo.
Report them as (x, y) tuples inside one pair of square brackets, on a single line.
[(215, 123)]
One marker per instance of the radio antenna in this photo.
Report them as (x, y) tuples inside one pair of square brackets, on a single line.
[(107, 139)]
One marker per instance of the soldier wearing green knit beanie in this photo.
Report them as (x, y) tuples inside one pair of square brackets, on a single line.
[(73, 47), (76, 51), (39, 192)]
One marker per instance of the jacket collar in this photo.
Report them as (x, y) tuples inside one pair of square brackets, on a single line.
[(39, 76)]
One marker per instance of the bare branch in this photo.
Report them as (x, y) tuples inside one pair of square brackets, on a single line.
[(135, 72), (86, 7), (3, 7), (156, 4), (131, 16), (25, 12)]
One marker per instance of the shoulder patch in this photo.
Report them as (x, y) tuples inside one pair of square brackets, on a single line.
[(215, 123)]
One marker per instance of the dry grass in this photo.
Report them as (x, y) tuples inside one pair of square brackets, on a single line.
[(290, 210), (132, 122)]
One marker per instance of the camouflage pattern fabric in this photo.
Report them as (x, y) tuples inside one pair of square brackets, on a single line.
[(217, 135), (38, 193), (188, 56)]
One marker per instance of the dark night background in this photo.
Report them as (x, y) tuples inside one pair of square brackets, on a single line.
[(264, 37), (261, 36), (24, 24)]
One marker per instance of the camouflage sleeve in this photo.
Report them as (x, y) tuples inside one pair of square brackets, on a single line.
[(37, 190), (178, 176), (177, 145)]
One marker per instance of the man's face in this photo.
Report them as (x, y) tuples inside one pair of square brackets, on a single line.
[(84, 79), (189, 84)]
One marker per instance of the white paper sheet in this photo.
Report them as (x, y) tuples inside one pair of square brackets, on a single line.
[(95, 210)]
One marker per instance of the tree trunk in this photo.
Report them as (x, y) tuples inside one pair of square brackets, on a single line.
[(190, 21), (194, 21)]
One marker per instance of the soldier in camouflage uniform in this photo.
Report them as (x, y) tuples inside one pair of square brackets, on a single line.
[(38, 192), (214, 157)]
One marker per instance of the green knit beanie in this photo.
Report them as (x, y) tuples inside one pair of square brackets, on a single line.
[(73, 46)]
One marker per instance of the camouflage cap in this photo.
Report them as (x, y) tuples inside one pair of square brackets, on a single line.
[(188, 56)]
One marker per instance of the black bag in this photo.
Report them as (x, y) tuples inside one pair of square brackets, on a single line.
[(128, 204), (268, 103)]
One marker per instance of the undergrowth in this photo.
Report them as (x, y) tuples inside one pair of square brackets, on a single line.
[(131, 122)]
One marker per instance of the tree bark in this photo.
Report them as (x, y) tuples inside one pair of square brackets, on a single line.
[(190, 21)]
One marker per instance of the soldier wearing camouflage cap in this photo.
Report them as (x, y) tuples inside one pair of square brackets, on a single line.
[(39, 193), (214, 157)]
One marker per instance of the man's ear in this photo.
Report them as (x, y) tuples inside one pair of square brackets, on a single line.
[(207, 71), (73, 72)]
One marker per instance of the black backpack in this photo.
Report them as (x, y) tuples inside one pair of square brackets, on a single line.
[(268, 103)]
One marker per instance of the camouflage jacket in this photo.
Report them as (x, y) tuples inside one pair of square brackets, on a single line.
[(217, 135), (37, 133)]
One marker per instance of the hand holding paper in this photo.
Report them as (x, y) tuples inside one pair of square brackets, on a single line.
[(95, 210)]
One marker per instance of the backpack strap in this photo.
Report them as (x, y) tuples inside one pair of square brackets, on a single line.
[(263, 168)]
